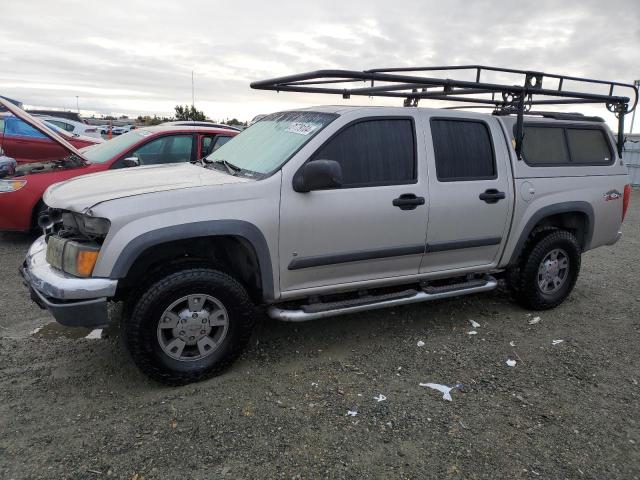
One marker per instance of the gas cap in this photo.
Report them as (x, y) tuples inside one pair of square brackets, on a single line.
[(527, 191)]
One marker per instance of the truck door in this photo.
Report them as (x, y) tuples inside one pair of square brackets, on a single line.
[(470, 193), (374, 226)]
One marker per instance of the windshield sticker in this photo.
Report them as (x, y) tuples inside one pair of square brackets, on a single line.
[(302, 128)]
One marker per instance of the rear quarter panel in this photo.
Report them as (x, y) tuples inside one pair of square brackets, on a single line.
[(538, 187)]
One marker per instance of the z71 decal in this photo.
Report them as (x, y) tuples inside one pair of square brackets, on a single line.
[(612, 195)]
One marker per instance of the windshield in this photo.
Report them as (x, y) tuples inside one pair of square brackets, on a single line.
[(266, 145), (103, 152)]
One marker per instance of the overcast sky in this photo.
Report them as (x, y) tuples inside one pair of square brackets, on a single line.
[(136, 57)]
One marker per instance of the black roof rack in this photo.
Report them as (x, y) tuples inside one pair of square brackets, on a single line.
[(411, 85)]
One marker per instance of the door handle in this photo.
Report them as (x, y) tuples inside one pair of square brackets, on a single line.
[(492, 195), (408, 201)]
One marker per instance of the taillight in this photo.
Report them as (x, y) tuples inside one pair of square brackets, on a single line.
[(625, 200)]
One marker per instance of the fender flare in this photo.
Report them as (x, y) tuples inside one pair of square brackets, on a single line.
[(555, 209), (211, 228)]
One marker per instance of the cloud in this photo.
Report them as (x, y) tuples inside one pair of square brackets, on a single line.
[(137, 57)]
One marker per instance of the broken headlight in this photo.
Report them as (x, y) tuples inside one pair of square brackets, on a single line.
[(85, 224)]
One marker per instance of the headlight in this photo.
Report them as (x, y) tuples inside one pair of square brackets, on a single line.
[(11, 185), (72, 257), (93, 226)]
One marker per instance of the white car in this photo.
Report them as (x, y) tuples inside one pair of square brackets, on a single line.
[(71, 126)]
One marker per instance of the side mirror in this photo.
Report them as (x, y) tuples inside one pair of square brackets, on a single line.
[(318, 175), (131, 162)]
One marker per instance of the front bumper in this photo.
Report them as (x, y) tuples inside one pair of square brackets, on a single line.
[(76, 302)]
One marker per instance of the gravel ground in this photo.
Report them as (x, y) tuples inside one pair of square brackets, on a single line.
[(77, 408)]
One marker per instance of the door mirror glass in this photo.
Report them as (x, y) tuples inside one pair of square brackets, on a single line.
[(318, 175), (131, 162)]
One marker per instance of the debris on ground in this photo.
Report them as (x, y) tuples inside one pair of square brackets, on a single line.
[(380, 398), (420, 343), (474, 324), (534, 320), (472, 332), (556, 342), (351, 413), (511, 363), (446, 391), (512, 343), (94, 334)]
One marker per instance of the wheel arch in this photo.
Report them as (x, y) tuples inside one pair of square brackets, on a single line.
[(576, 216), (231, 240)]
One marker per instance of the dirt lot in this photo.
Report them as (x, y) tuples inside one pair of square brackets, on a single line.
[(77, 408)]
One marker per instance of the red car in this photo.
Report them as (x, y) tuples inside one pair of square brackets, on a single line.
[(25, 144), (21, 193)]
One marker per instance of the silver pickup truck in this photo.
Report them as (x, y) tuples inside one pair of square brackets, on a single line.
[(330, 210)]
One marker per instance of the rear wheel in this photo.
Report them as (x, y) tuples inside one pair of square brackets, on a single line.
[(189, 325), (547, 271)]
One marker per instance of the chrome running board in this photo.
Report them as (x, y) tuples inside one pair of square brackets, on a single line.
[(406, 297)]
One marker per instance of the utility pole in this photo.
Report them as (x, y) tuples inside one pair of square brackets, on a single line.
[(633, 117), (193, 92), (77, 105)]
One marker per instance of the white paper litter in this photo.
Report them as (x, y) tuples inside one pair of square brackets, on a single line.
[(556, 342), (36, 330), (511, 363), (95, 334), (474, 324), (446, 391), (420, 343), (534, 320), (472, 332), (512, 343), (351, 413), (380, 398)]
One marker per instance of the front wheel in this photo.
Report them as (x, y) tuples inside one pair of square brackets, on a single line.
[(189, 326), (547, 272)]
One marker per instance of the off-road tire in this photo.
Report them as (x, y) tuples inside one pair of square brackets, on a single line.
[(145, 311), (523, 279)]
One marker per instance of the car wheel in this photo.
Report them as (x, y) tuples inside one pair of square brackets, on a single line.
[(38, 210), (547, 272), (189, 325)]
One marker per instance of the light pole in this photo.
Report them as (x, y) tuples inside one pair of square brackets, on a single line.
[(633, 117), (77, 105)]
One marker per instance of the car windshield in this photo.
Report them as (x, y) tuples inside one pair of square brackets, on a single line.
[(103, 152), (268, 144)]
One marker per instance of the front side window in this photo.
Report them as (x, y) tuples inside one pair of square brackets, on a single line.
[(463, 150), (170, 149), (65, 126), (103, 152), (373, 152), (265, 146)]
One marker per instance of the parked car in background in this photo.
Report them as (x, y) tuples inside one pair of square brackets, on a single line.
[(71, 126), (202, 123), (104, 129), (21, 193), (257, 118), (122, 129), (7, 165), (26, 144)]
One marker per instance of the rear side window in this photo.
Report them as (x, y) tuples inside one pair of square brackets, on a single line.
[(544, 146), (373, 152), (565, 146), (588, 146), (463, 150)]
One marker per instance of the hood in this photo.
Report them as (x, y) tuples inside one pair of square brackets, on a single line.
[(81, 193), (41, 127)]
